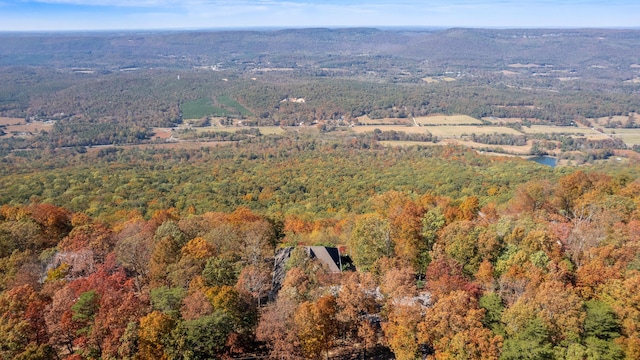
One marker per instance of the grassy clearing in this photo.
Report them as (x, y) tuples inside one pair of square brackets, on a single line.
[(629, 136), (457, 131), (200, 108), (11, 121), (447, 120), (228, 102), (23, 128), (618, 118), (399, 128), (526, 66)]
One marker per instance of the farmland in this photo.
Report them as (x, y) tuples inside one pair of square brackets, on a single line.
[(19, 127), (629, 136), (200, 108)]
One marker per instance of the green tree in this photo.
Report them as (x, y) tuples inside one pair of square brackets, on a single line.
[(369, 241)]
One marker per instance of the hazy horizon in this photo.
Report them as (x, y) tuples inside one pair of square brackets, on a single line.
[(140, 15)]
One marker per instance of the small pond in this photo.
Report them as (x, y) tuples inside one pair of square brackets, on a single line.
[(544, 160)]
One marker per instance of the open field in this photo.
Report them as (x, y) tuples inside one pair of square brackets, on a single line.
[(614, 119), (437, 79), (526, 66), (629, 136), (200, 108), (11, 121), (230, 103), (403, 128), (447, 120), (457, 131), (23, 128)]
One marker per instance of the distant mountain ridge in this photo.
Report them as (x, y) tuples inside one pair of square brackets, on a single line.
[(482, 48)]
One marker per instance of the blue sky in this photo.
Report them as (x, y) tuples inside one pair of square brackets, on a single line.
[(44, 15)]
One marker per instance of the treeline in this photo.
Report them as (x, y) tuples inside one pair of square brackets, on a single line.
[(500, 139), (233, 135), (553, 272)]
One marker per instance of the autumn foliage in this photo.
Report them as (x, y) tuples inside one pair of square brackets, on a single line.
[(551, 271)]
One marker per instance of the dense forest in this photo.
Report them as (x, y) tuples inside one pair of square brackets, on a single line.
[(149, 180), (151, 253)]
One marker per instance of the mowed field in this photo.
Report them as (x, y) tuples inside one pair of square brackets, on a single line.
[(11, 121), (447, 120), (629, 136), (19, 125)]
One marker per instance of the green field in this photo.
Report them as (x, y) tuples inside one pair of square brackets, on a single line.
[(629, 136), (200, 108), (228, 102), (447, 120)]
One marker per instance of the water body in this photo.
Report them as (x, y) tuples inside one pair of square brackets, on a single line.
[(544, 160)]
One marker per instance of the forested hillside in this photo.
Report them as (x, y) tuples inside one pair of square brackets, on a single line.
[(124, 253)]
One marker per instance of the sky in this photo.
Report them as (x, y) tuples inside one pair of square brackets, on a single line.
[(80, 15)]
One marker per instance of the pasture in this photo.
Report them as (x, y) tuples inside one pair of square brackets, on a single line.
[(447, 120), (228, 102), (621, 119), (11, 121), (200, 108), (19, 126), (629, 136)]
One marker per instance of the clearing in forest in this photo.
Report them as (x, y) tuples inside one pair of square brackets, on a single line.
[(629, 136), (11, 121)]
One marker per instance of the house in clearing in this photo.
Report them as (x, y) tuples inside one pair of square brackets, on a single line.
[(328, 256)]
